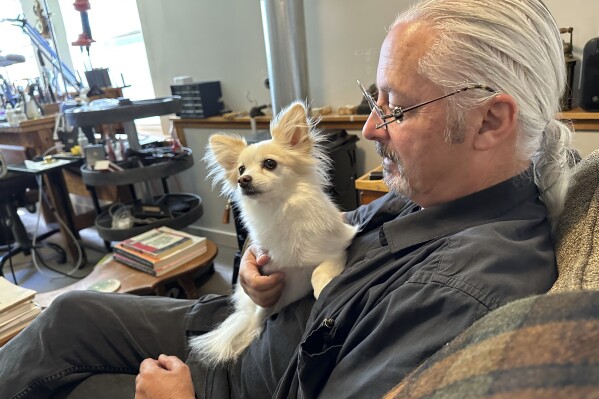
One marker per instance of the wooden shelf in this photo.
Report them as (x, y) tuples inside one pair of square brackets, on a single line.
[(347, 122), (581, 119), (32, 125), (369, 190)]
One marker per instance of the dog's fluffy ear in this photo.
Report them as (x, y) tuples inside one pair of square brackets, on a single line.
[(222, 154), (292, 126), (225, 149)]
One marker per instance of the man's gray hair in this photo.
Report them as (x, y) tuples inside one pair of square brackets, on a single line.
[(513, 46)]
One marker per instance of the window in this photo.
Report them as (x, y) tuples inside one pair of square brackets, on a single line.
[(119, 46), (14, 41)]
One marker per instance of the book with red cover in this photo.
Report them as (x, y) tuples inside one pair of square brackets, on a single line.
[(154, 263), (159, 242)]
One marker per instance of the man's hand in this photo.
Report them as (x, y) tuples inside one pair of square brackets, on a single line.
[(167, 377), (265, 291)]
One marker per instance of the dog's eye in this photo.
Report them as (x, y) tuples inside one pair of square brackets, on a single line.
[(269, 164), (241, 169)]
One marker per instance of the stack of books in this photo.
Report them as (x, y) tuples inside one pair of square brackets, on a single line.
[(17, 309), (159, 250)]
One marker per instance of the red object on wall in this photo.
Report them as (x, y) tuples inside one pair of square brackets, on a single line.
[(83, 40), (81, 5)]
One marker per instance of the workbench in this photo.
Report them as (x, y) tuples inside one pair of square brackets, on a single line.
[(35, 134)]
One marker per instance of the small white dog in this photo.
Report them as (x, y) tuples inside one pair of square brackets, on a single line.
[(278, 185)]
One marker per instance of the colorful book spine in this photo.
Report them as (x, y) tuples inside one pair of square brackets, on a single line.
[(136, 265), (157, 242), (124, 253)]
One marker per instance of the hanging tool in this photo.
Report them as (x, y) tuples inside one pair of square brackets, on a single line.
[(46, 77), (52, 56), (85, 39), (42, 25)]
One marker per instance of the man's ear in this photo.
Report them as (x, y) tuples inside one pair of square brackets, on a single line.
[(224, 150), (500, 118), (291, 126)]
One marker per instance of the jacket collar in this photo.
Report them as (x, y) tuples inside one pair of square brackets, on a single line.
[(452, 217)]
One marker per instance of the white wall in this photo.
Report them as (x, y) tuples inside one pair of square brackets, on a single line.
[(222, 39)]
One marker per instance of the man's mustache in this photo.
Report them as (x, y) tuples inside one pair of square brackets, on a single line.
[(385, 152)]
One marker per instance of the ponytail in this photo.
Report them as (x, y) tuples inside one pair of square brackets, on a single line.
[(551, 164)]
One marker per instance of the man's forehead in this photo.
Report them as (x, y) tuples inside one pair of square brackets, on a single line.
[(409, 37), (400, 54)]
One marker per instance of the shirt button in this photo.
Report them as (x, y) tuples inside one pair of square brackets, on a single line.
[(328, 323)]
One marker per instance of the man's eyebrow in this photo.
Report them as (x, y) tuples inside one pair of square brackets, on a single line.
[(404, 97)]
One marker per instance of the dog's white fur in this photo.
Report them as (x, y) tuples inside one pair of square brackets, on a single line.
[(286, 212)]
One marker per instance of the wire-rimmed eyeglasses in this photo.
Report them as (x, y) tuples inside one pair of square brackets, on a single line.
[(397, 113)]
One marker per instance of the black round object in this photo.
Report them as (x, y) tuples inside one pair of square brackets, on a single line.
[(154, 168), (123, 111), (185, 208), (589, 92)]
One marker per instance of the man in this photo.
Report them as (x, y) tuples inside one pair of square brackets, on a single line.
[(464, 121)]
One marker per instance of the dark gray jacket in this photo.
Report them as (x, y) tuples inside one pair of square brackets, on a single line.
[(415, 278)]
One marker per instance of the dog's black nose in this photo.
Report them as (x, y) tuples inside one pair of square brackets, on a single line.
[(244, 181)]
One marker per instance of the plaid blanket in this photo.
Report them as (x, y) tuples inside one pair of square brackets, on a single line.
[(545, 346)]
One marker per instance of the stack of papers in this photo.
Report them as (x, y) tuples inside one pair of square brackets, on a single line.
[(17, 309)]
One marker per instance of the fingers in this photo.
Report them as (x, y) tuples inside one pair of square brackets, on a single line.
[(260, 255), (169, 362), (165, 377), (148, 365), (263, 290)]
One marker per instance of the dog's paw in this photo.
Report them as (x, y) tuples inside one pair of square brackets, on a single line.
[(325, 272), (318, 284)]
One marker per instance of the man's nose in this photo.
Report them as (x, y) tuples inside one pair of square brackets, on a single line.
[(369, 130)]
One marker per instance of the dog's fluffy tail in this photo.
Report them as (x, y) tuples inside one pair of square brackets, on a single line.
[(225, 343)]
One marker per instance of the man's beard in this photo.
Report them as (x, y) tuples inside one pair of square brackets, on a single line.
[(394, 173)]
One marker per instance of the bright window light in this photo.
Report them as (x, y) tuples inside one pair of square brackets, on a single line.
[(14, 41), (119, 44)]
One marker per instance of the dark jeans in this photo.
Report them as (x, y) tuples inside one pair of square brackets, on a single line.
[(84, 333)]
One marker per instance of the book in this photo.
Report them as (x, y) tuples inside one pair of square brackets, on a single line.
[(12, 328), (159, 242), (18, 319), (152, 262), (11, 295), (17, 309), (165, 267)]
